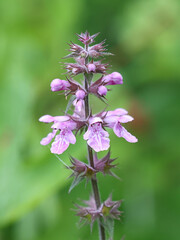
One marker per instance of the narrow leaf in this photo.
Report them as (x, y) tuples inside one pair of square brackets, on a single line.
[(70, 103), (75, 182)]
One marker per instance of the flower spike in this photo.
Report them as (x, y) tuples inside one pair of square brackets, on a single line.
[(79, 117)]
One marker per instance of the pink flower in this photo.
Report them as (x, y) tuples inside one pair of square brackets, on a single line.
[(91, 67), (96, 137), (80, 94), (113, 119), (62, 141), (48, 139), (113, 79), (58, 85), (102, 90), (64, 138)]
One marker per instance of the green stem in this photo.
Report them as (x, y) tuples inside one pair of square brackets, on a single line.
[(94, 182)]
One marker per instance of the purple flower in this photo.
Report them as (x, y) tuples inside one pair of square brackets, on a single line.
[(80, 94), (64, 138), (96, 136), (102, 90), (113, 79), (49, 138), (91, 67), (113, 119), (62, 141), (58, 85)]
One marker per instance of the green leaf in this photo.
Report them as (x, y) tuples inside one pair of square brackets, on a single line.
[(75, 182), (109, 226), (73, 97)]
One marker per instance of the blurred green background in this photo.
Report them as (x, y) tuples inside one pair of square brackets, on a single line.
[(145, 38)]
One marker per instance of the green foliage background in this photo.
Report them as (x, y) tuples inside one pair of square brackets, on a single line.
[(145, 37)]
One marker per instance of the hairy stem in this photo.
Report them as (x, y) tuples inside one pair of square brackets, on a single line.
[(94, 182)]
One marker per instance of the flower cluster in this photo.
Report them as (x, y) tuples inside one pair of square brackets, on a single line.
[(107, 210), (93, 126), (83, 170)]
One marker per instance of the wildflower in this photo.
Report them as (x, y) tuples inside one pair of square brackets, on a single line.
[(102, 90), (58, 85), (91, 67), (65, 125), (113, 119), (96, 136), (80, 94), (113, 79)]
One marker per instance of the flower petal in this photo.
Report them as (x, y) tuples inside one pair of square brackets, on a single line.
[(120, 131), (48, 139), (46, 119), (117, 112), (70, 136), (97, 137), (99, 143), (59, 145), (125, 119), (62, 141)]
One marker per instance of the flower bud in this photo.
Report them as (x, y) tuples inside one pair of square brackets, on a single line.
[(102, 90), (91, 67), (113, 79), (58, 85), (80, 94)]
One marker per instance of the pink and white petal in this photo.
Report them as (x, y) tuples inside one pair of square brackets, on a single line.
[(93, 120), (87, 134), (99, 143), (120, 131), (59, 145), (104, 133), (111, 119), (125, 119), (48, 138), (46, 119), (117, 112), (61, 125), (61, 118), (69, 136)]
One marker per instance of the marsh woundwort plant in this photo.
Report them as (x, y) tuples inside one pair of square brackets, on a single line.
[(94, 127)]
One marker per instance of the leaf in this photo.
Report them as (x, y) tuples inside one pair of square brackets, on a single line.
[(72, 98), (109, 226), (75, 182)]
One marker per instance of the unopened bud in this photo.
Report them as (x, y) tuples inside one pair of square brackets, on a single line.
[(58, 85), (80, 94), (91, 67), (102, 90), (113, 79)]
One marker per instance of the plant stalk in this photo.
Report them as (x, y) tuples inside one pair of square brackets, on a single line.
[(94, 182)]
